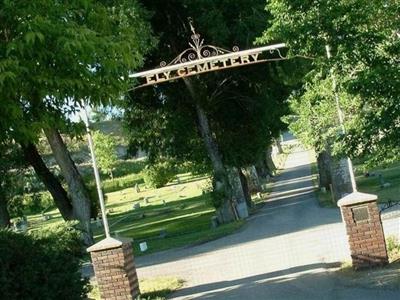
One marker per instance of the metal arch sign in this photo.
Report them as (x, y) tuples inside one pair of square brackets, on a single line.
[(200, 58)]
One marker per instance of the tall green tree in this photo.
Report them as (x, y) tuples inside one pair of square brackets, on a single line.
[(10, 165), (55, 55), (220, 120), (105, 152), (364, 41)]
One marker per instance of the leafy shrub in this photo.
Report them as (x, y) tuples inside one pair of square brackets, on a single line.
[(32, 203), (195, 168), (42, 265), (393, 248), (117, 184), (159, 174)]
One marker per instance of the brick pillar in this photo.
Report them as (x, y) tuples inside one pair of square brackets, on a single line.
[(114, 269), (364, 230)]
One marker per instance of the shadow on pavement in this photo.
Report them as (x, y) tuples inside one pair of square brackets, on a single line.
[(314, 281)]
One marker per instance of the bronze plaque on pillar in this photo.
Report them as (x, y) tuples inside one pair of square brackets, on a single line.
[(360, 213)]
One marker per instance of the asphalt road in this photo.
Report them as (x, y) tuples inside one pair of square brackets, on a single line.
[(288, 250)]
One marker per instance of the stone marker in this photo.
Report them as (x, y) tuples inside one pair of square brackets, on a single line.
[(114, 268), (143, 246), (364, 230), (214, 222), (99, 223), (163, 233), (136, 205), (137, 189)]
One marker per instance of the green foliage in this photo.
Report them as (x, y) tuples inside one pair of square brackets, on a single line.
[(42, 265), (104, 148), (316, 120), (34, 203), (159, 287), (66, 52), (364, 41), (159, 174), (242, 106), (393, 248), (128, 181)]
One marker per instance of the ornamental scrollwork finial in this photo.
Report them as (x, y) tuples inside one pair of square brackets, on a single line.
[(197, 49)]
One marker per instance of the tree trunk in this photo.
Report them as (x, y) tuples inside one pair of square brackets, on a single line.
[(270, 162), (279, 145), (262, 169), (341, 181), (226, 212), (77, 189), (4, 215), (245, 188), (52, 184), (238, 196), (253, 180), (324, 169)]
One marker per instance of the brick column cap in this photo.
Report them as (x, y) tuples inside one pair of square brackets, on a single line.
[(108, 243), (356, 198)]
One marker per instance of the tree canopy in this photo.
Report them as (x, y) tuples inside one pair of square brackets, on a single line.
[(56, 54), (364, 41), (243, 106)]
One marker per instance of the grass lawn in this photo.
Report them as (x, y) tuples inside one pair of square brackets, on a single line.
[(372, 184), (176, 215), (157, 288)]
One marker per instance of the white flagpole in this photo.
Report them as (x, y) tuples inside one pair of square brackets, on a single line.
[(96, 174)]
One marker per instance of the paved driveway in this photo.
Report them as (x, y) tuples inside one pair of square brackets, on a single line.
[(288, 250)]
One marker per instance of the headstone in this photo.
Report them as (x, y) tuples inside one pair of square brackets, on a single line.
[(45, 217), (165, 203), (163, 233), (218, 185), (21, 225), (137, 189), (136, 205), (381, 180), (323, 190), (143, 246), (99, 223), (214, 222), (24, 226), (146, 200)]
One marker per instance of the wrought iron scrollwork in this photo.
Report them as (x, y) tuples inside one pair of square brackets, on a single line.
[(197, 50), (389, 204)]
